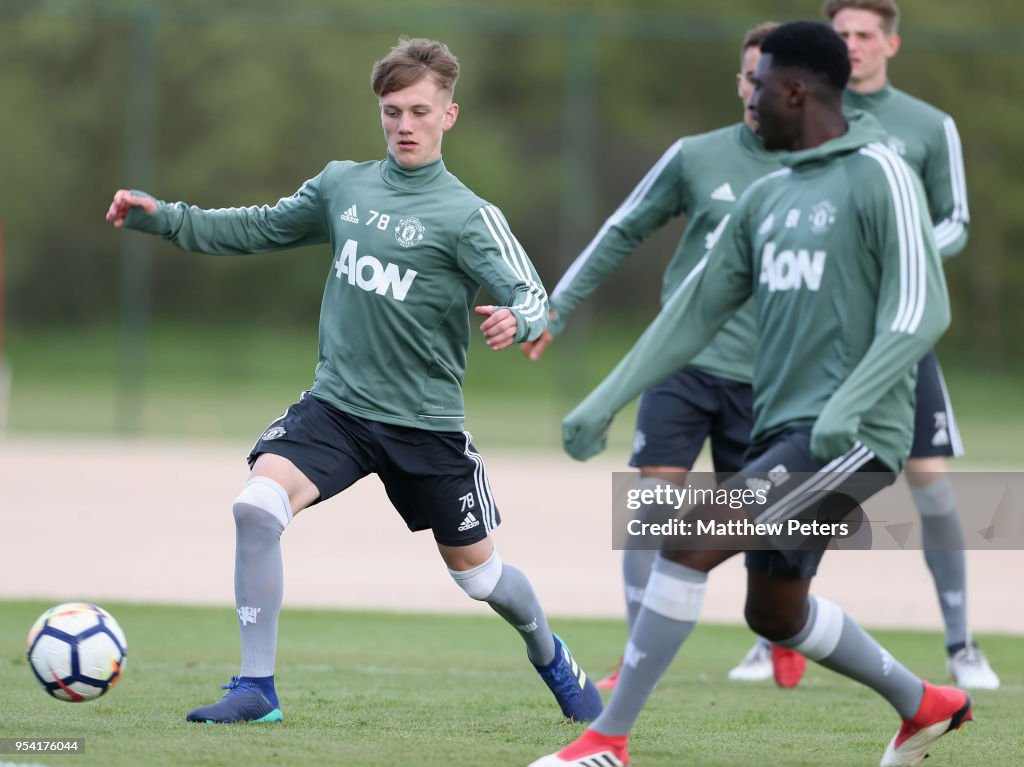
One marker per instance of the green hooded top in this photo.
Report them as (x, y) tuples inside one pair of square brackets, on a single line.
[(700, 177), (929, 143), (409, 250), (839, 255)]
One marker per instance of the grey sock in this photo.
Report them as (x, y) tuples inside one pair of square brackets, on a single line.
[(260, 518), (637, 563), (943, 543), (636, 569), (833, 639), (514, 600), (669, 613)]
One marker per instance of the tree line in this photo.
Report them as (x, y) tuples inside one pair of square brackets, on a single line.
[(563, 111)]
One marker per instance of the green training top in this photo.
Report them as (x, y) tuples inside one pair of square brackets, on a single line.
[(849, 294), (929, 142), (701, 177), (410, 249)]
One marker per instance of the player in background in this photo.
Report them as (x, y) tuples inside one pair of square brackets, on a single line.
[(699, 177), (829, 247), (410, 247), (928, 141)]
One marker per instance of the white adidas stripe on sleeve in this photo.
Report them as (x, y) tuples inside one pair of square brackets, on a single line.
[(909, 235), (630, 204)]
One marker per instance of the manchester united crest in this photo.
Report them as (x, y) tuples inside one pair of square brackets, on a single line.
[(823, 215), (409, 231)]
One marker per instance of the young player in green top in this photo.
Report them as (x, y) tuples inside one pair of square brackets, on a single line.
[(927, 139), (699, 177), (410, 246), (840, 259)]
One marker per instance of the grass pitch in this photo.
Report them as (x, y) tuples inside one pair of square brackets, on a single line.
[(385, 689)]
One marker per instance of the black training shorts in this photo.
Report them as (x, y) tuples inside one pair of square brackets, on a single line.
[(677, 415), (803, 488), (435, 479)]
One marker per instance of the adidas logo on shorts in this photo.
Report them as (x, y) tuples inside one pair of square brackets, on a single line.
[(468, 523)]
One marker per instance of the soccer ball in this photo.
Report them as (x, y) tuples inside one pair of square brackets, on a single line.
[(76, 651)]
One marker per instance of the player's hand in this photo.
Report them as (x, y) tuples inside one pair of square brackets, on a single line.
[(834, 433), (585, 432), (535, 349), (124, 200), (499, 328)]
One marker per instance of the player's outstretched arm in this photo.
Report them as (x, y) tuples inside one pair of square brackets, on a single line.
[(657, 198), (294, 221), (707, 298), (124, 200)]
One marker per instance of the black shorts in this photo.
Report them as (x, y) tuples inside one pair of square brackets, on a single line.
[(677, 415), (436, 480), (802, 487), (935, 431)]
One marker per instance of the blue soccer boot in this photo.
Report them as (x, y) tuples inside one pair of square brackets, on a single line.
[(577, 696), (245, 701)]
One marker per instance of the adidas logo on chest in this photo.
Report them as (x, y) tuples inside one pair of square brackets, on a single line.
[(724, 193)]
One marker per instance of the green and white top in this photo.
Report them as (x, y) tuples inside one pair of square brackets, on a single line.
[(700, 177), (840, 258), (409, 250), (929, 142)]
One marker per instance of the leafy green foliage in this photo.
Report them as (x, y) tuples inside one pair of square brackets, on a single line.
[(251, 103)]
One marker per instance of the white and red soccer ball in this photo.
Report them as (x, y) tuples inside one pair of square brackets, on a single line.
[(76, 651)]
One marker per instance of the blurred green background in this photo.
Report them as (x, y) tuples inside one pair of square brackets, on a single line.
[(563, 109)]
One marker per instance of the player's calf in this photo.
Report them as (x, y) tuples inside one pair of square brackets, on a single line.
[(509, 593)]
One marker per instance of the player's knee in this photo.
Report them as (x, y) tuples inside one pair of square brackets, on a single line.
[(263, 503), (820, 635), (934, 500), (480, 581), (773, 625)]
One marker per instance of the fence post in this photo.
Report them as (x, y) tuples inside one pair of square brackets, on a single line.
[(136, 250)]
